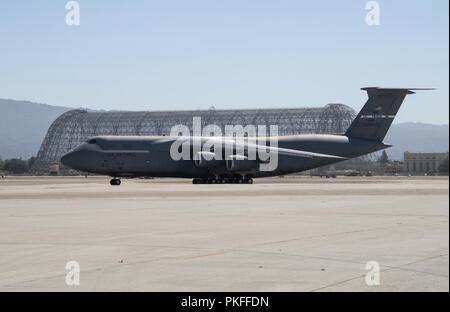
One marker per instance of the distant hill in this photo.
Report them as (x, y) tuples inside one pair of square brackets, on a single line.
[(23, 126), (416, 137)]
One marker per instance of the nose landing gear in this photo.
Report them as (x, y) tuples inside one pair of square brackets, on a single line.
[(115, 181)]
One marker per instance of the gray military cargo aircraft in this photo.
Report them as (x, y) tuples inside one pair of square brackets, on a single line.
[(150, 156)]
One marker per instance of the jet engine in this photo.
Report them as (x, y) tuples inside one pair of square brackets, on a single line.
[(207, 160), (240, 163)]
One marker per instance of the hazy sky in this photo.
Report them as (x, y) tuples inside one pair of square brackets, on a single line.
[(157, 55)]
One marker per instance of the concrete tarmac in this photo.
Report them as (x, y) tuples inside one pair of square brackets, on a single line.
[(280, 234)]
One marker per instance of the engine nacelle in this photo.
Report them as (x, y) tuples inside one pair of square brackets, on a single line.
[(207, 160), (240, 163)]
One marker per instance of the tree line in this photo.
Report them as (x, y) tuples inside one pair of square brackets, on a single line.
[(16, 165), (22, 166)]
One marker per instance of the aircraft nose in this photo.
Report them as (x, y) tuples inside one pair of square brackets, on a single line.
[(79, 158), (69, 159)]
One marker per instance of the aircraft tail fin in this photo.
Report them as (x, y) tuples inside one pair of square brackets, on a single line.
[(377, 115)]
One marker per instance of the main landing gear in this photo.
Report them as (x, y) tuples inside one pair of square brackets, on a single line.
[(223, 181), (115, 181)]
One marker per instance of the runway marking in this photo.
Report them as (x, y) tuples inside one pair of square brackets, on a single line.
[(388, 269), (205, 255), (348, 232), (107, 268)]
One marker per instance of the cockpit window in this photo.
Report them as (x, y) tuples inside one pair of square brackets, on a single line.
[(92, 141)]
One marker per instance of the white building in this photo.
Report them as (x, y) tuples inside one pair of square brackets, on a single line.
[(422, 163)]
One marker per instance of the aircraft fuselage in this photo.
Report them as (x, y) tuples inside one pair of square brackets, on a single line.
[(146, 156), (136, 156)]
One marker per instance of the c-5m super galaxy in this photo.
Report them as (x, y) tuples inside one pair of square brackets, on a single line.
[(150, 156)]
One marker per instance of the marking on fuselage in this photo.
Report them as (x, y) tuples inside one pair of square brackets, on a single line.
[(378, 116)]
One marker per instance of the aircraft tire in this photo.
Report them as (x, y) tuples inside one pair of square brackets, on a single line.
[(115, 181)]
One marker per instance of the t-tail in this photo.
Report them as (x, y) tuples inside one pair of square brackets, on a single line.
[(377, 115)]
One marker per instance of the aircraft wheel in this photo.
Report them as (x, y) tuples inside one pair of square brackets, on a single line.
[(115, 181)]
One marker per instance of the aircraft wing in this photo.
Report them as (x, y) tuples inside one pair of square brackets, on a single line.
[(267, 149), (285, 151), (298, 153)]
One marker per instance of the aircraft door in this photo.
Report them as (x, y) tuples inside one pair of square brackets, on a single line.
[(113, 162)]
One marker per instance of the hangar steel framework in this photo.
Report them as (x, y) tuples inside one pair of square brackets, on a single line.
[(76, 126)]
